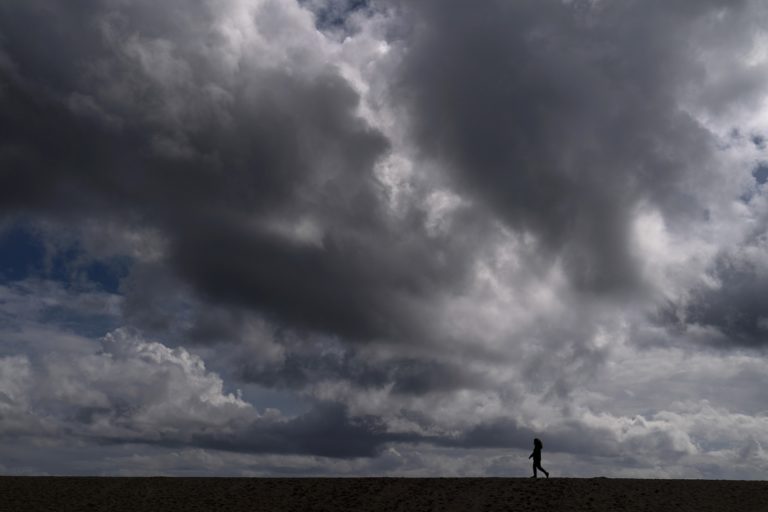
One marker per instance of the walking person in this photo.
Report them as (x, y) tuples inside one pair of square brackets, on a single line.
[(537, 447)]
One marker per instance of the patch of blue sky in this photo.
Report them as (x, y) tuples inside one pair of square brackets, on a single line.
[(760, 174), (24, 255), (56, 288), (333, 14)]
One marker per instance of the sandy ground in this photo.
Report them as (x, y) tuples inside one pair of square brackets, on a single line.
[(63, 494)]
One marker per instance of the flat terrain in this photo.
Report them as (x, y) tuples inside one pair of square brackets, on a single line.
[(63, 494)]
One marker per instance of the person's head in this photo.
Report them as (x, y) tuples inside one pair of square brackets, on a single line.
[(537, 443)]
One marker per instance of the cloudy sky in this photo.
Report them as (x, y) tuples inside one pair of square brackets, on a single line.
[(351, 237)]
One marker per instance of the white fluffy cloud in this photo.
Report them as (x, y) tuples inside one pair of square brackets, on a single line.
[(128, 388)]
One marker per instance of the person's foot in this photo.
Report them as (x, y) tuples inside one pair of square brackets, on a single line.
[(547, 474), (534, 476)]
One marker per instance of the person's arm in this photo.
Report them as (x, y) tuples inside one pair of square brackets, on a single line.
[(531, 455)]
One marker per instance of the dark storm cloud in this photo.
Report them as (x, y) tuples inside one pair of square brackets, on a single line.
[(345, 286), (506, 432), (499, 433), (734, 310), (327, 430), (412, 377), (558, 116), (737, 309), (574, 437), (122, 116), (562, 117), (137, 391), (56, 159)]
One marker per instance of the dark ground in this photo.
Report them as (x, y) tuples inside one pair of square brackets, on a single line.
[(62, 494)]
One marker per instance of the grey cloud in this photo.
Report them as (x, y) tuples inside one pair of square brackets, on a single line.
[(563, 116), (140, 392), (259, 180), (501, 433), (737, 309), (326, 430), (343, 287), (732, 311), (603, 447), (136, 392), (506, 432), (160, 304), (406, 376)]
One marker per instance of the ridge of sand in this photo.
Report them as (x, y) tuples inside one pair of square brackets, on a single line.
[(63, 494)]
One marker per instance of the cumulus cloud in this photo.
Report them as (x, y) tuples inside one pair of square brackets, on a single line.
[(133, 390), (565, 118), (239, 146)]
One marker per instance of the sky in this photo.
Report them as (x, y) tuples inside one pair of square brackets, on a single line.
[(384, 238)]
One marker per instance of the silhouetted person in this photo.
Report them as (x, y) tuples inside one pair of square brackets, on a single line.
[(537, 446)]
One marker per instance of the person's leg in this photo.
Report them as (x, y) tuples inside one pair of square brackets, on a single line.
[(534, 469), (542, 470)]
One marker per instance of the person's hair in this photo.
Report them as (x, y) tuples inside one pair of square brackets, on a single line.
[(537, 443)]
